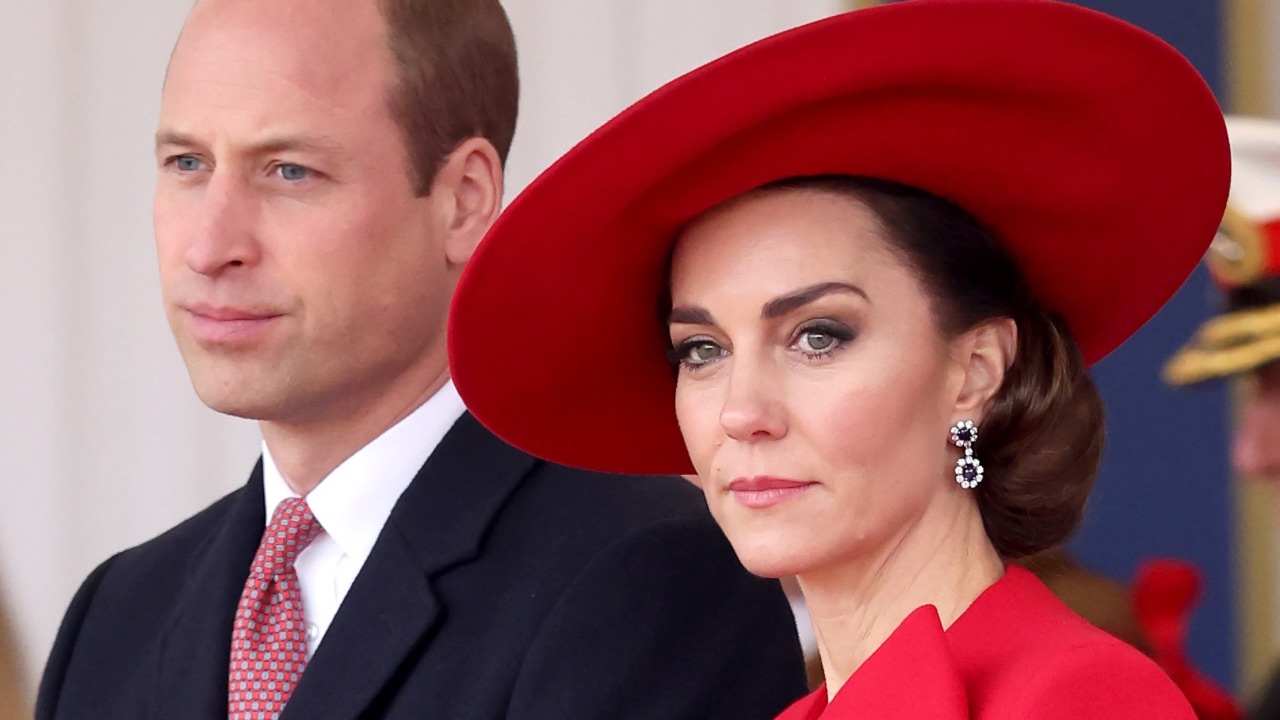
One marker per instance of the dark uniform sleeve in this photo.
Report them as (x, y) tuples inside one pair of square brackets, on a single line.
[(665, 624)]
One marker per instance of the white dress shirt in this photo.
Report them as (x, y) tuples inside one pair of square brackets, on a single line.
[(804, 626), (353, 502)]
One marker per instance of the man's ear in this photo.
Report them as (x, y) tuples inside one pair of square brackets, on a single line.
[(468, 188), (986, 353)]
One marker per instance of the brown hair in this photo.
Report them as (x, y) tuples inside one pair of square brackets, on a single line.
[(456, 78), (1041, 440)]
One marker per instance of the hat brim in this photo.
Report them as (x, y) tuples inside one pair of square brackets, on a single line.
[(1091, 148)]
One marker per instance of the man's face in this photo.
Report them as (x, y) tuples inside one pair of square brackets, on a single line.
[(1255, 450), (301, 277)]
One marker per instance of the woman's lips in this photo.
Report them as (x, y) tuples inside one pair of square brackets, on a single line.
[(763, 491)]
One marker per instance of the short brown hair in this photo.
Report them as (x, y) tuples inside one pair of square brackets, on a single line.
[(1041, 440), (456, 78)]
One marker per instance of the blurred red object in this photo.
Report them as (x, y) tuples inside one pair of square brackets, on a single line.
[(1165, 592)]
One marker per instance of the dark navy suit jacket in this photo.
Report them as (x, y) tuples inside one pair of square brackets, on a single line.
[(501, 587)]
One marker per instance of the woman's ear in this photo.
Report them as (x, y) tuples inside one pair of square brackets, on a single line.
[(986, 353)]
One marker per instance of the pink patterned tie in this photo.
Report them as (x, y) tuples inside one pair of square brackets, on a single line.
[(269, 638)]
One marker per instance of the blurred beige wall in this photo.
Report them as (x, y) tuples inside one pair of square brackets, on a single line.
[(102, 442)]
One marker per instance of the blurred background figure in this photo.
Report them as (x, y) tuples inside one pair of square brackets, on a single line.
[(1243, 341)]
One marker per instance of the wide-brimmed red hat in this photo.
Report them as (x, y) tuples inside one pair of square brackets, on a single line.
[(1092, 149)]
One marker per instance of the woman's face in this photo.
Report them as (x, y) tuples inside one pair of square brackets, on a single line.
[(815, 390)]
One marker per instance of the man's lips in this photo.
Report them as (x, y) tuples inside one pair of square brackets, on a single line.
[(224, 325), (764, 491), (226, 313)]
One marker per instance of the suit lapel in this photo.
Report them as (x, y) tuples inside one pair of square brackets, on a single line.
[(195, 649), (438, 523)]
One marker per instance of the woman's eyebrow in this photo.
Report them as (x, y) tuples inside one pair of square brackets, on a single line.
[(690, 315), (784, 304)]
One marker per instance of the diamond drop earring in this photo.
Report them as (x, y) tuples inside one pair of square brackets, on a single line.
[(968, 470)]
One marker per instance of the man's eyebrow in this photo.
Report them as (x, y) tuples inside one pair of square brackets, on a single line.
[(173, 137), (283, 143), (784, 304)]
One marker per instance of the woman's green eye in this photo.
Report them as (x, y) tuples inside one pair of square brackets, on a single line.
[(702, 353), (817, 341)]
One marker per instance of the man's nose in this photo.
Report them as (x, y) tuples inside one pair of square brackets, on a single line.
[(223, 229), (1255, 449)]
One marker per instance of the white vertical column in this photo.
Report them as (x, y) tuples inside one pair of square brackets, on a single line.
[(1270, 72)]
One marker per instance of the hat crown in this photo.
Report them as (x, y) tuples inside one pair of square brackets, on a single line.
[(1092, 149)]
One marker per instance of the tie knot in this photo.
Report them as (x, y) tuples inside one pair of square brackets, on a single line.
[(291, 530)]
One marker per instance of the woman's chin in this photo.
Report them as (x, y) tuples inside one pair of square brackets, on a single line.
[(773, 543), (769, 559)]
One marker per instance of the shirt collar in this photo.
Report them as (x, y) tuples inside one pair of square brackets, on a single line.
[(353, 502)]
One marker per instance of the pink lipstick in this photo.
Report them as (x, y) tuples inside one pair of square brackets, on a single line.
[(763, 491)]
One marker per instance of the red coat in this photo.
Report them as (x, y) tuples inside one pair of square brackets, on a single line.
[(1017, 653)]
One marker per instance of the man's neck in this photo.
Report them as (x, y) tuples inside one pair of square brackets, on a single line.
[(306, 452)]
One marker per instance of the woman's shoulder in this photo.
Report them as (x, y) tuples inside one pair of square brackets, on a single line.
[(1104, 678), (1025, 654), (1020, 617)]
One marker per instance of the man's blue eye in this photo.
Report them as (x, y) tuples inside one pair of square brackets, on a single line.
[(292, 173), (187, 163)]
